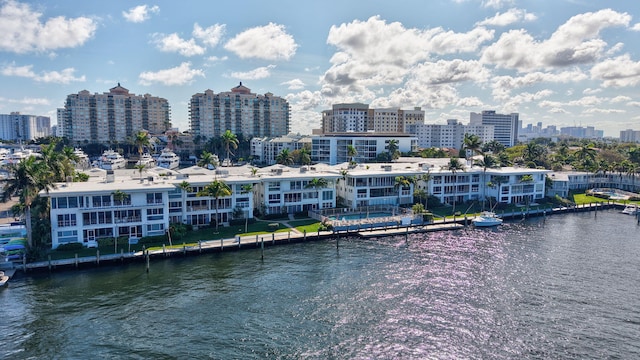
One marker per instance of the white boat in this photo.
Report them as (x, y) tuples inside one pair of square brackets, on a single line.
[(486, 219), (631, 209), (19, 155), (147, 160), (83, 158), (112, 160), (168, 159), (3, 279)]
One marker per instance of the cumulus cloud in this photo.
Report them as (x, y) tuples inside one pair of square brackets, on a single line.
[(377, 53), (258, 73), (295, 84), (634, 103), (573, 43), (140, 13), (179, 75), (507, 18), (65, 76), (23, 31), (603, 111), (269, 42), (620, 98), (586, 101), (590, 91), (174, 43), (210, 36), (26, 101), (636, 27), (497, 4), (617, 72), (503, 85)]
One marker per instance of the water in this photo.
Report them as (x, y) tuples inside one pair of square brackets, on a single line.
[(359, 216), (563, 288)]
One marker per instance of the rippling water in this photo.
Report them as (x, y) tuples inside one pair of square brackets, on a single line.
[(563, 288)]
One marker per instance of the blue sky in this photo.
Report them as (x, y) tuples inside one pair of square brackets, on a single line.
[(564, 63)]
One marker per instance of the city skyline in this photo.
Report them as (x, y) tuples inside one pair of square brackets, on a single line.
[(564, 63)]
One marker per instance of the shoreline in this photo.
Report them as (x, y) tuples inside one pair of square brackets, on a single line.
[(282, 238)]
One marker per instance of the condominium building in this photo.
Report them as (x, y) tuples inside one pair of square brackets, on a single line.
[(357, 117), (450, 135), (505, 126), (114, 116), (632, 136), (266, 150), (240, 111), (333, 148), (18, 127)]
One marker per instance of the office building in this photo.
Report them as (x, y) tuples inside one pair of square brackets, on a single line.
[(505, 127)]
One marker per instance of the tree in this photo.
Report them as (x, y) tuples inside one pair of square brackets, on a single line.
[(473, 143), (487, 162), (454, 166), (493, 146), (141, 141), (216, 189), (403, 182), (28, 178), (230, 140), (247, 189), (418, 208), (207, 159), (305, 155), (586, 154), (393, 149), (284, 157), (140, 168), (185, 188), (352, 153), (120, 197), (317, 184)]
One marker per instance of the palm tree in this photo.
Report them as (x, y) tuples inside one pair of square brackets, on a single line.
[(472, 142), (494, 146), (140, 168), (352, 153), (186, 188), (305, 155), (392, 147), (230, 140), (586, 154), (141, 141), (421, 193), (454, 166), (54, 161), (119, 197), (317, 184), (28, 178), (403, 182), (487, 162), (247, 189), (284, 157), (216, 189), (206, 159)]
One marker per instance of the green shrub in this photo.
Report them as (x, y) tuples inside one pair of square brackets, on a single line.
[(70, 246), (274, 226)]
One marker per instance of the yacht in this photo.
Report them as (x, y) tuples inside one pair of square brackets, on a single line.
[(19, 155), (631, 209), (83, 158), (168, 159), (486, 219), (147, 160), (112, 160)]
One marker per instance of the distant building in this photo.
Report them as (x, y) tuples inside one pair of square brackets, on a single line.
[(266, 150), (332, 149), (588, 132), (629, 135), (115, 116), (450, 135), (240, 111), (359, 118), (17, 127), (505, 126)]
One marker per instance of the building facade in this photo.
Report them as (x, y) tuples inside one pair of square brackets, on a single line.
[(450, 135), (505, 126), (112, 117), (240, 111), (266, 150), (19, 128), (359, 118), (333, 149), (632, 136)]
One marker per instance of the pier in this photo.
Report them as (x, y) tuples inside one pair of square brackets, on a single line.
[(281, 238)]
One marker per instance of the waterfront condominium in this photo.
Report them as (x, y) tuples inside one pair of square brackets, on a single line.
[(112, 117), (240, 111), (359, 118), (505, 127), (17, 127)]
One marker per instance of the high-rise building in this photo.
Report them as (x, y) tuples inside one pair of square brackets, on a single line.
[(630, 135), (450, 135), (359, 118), (114, 116), (240, 111), (17, 127), (505, 125)]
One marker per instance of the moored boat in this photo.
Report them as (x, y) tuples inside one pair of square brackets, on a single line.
[(168, 159), (486, 219), (631, 209), (112, 160), (147, 160)]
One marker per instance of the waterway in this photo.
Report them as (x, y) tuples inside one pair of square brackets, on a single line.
[(564, 287)]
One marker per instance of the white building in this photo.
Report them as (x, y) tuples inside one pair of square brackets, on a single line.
[(240, 111), (359, 118), (332, 149), (266, 150), (21, 128), (632, 136), (450, 135), (505, 126)]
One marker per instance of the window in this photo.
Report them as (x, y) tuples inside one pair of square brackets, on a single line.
[(154, 198), (65, 220), (155, 214), (67, 236)]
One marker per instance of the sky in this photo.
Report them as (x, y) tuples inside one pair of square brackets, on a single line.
[(561, 62)]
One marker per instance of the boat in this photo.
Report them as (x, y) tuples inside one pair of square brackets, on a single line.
[(168, 159), (147, 160), (112, 160), (82, 158), (3, 279), (631, 209), (19, 155), (486, 219)]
